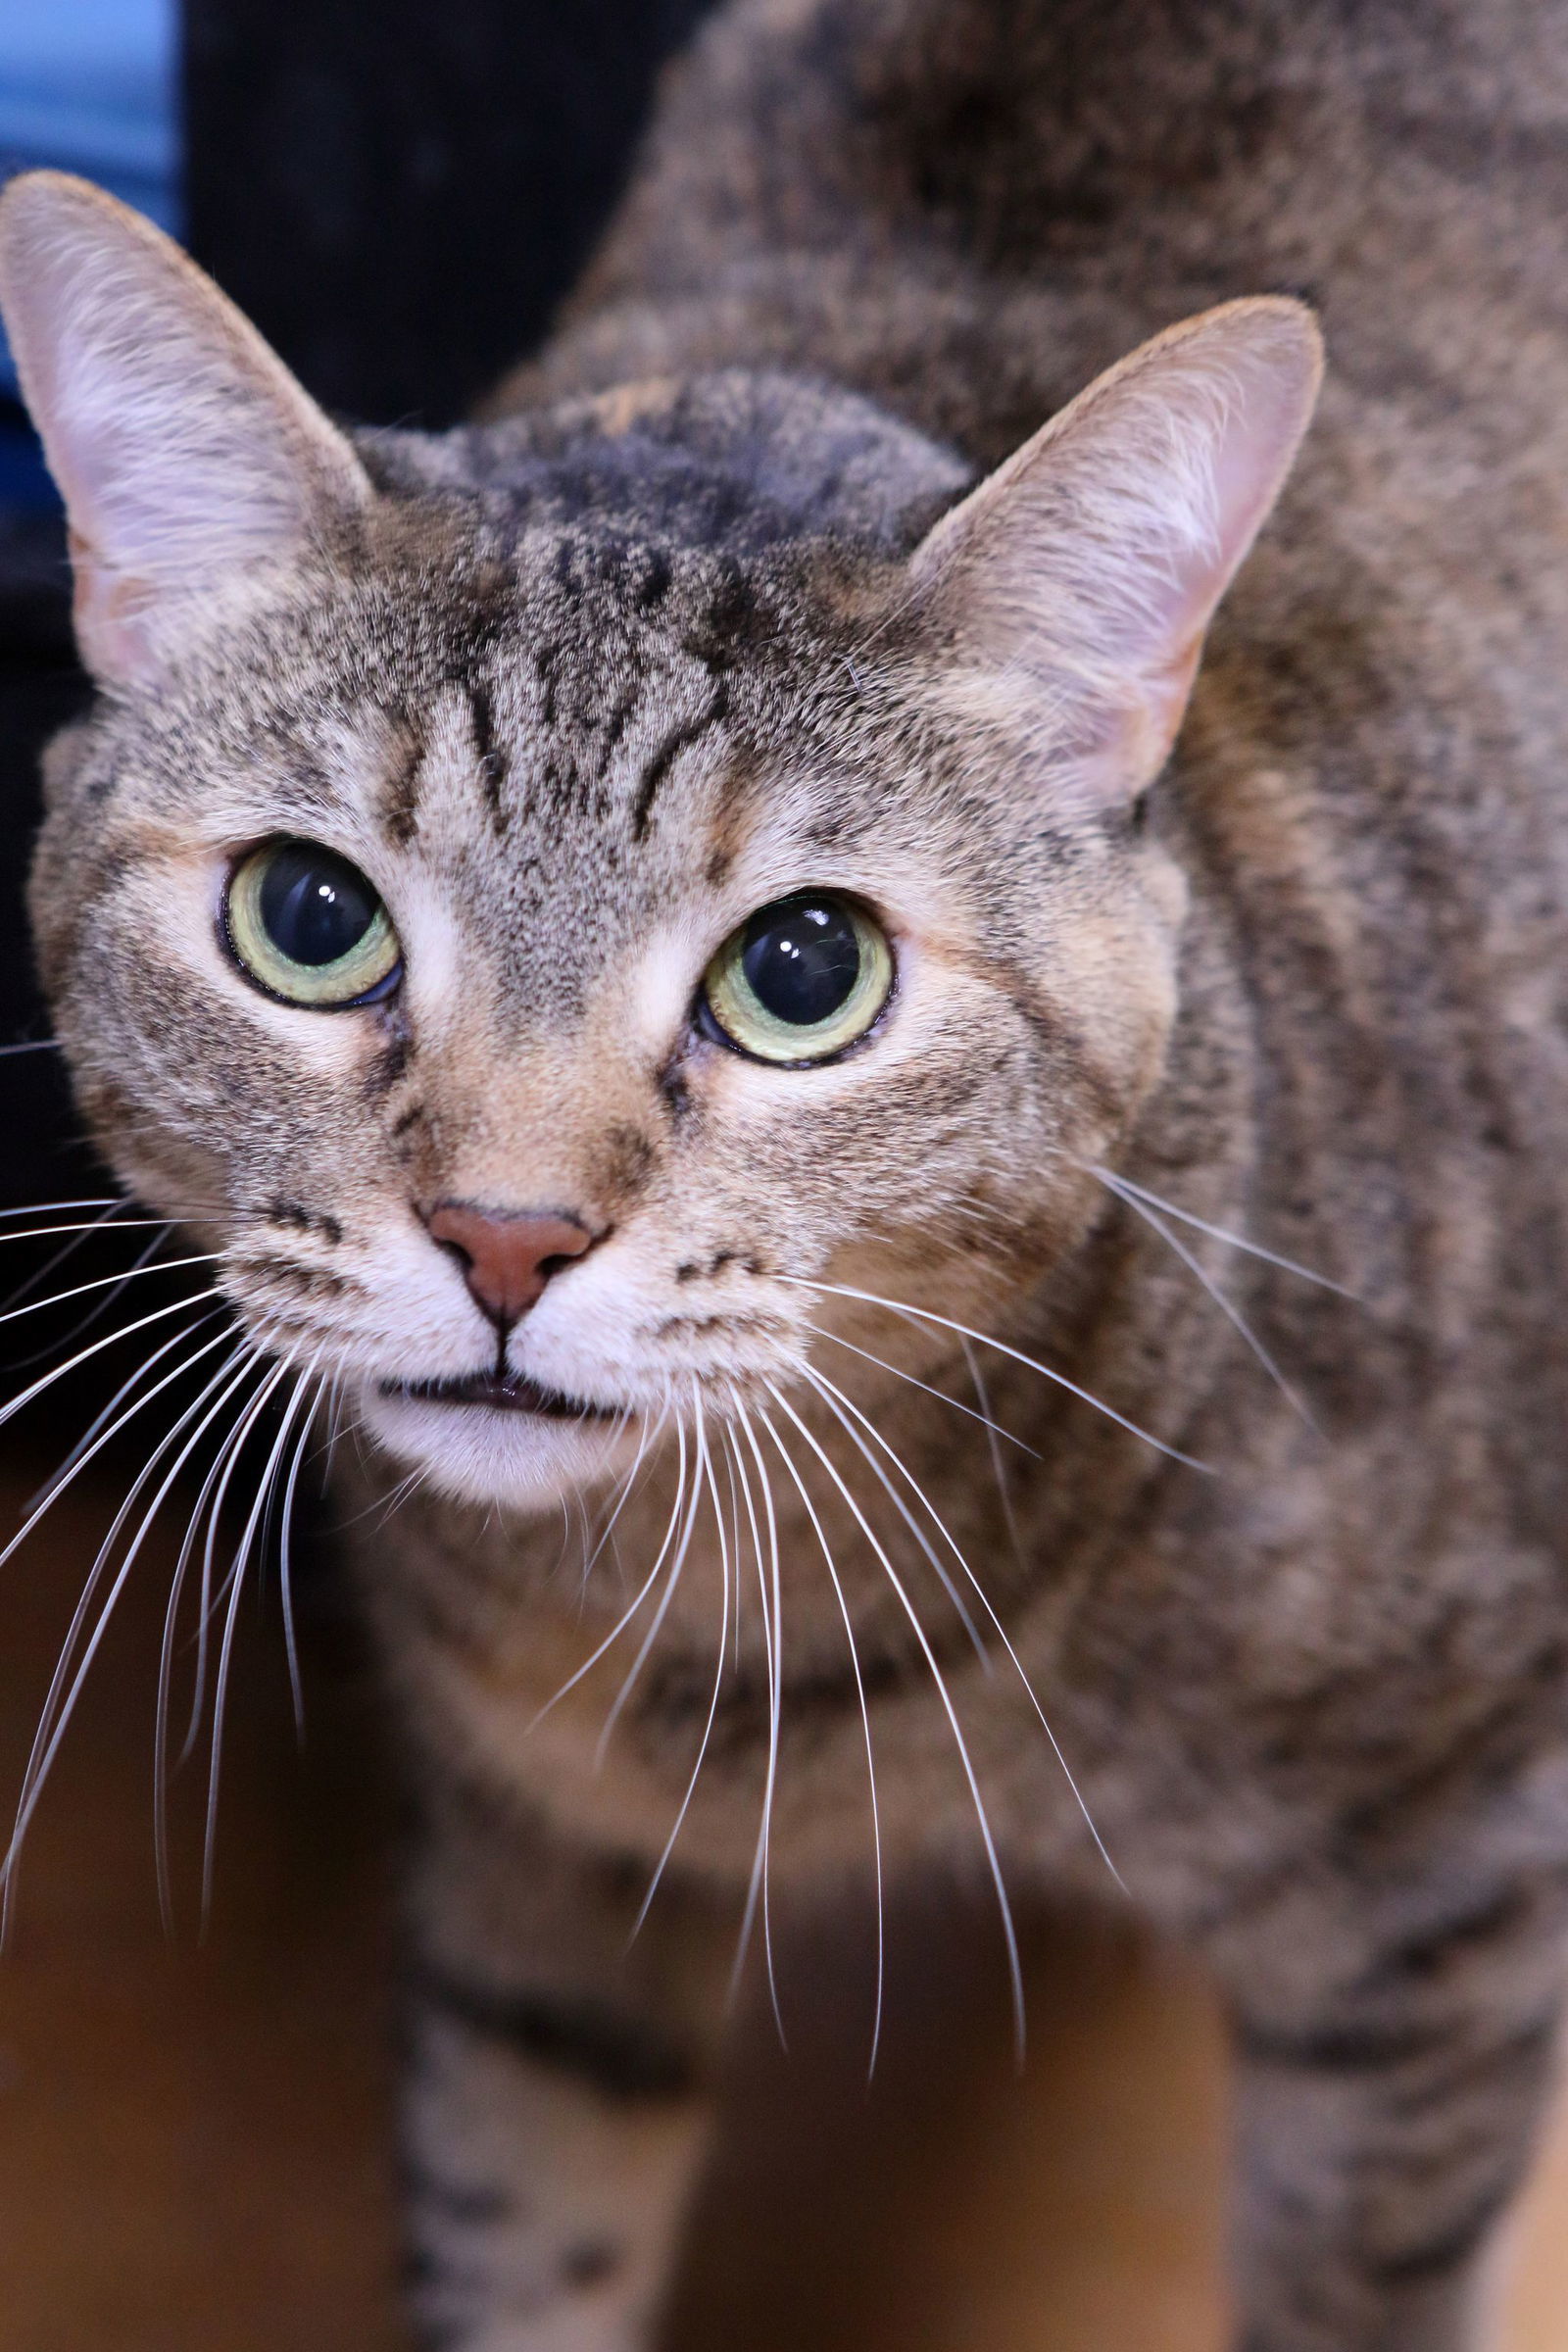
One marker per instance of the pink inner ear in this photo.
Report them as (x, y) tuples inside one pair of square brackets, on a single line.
[(1252, 456), (1167, 692), (1093, 561), (175, 488), (109, 614), (187, 456)]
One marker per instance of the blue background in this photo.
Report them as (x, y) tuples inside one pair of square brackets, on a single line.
[(89, 86)]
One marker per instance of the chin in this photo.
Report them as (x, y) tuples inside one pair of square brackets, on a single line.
[(499, 1454)]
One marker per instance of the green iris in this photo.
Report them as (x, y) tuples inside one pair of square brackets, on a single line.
[(305, 925), (801, 981)]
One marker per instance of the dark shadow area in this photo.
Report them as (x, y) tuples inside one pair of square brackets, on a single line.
[(400, 196), (40, 688)]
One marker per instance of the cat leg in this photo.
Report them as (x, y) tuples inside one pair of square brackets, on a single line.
[(557, 2097), (1384, 2127)]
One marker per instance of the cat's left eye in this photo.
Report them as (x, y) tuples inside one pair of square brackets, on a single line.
[(801, 982), (307, 926)]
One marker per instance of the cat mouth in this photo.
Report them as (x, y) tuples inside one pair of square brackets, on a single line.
[(509, 1393)]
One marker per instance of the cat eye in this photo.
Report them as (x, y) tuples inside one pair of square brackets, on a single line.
[(801, 981), (304, 925)]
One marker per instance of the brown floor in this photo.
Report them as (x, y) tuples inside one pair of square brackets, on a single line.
[(193, 2139)]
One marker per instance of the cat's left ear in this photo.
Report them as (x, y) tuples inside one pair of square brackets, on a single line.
[(195, 470), (1072, 589)]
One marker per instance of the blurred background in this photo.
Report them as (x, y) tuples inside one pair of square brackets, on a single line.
[(195, 2129)]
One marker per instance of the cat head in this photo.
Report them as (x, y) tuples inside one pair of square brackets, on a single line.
[(542, 901)]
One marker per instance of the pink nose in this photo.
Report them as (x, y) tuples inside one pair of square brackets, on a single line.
[(507, 1256)]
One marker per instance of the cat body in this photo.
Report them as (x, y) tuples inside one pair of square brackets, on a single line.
[(712, 610)]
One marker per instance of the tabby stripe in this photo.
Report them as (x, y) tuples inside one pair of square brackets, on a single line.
[(620, 2059), (1358, 2050), (1343, 2049), (678, 740), (1448, 2247), (493, 764), (400, 802), (1484, 2066), (1497, 1915), (458, 2201)]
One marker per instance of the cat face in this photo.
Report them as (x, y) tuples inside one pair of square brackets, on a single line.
[(709, 857), (557, 887)]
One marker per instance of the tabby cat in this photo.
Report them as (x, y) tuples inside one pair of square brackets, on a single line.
[(703, 961)]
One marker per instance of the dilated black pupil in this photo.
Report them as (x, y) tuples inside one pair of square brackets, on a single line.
[(802, 959), (314, 907)]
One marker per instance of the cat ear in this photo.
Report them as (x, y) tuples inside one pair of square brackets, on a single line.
[(1070, 591), (187, 456)]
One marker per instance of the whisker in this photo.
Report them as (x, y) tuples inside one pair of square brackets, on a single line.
[(57, 1710), (57, 1486), (172, 1265), (43, 1209), (335, 1427), (1009, 1932), (645, 1443), (188, 1212), (924, 1314), (677, 1563), (302, 1390), (576, 1520), (735, 1524), (58, 1475), (385, 1505), (1220, 1233), (827, 1392), (223, 1470), (998, 1468), (105, 1222), (866, 1712), (353, 1430), (564, 1507), (100, 1306), (83, 1453), (707, 1469), (17, 1405), (749, 1500), (250, 1360), (622, 1623), (286, 1582), (993, 1427), (838, 1399), (771, 1598), (1227, 1306)]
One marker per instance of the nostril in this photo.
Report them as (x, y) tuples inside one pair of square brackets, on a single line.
[(508, 1255)]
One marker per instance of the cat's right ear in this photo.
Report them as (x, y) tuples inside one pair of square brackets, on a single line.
[(1069, 593), (190, 462)]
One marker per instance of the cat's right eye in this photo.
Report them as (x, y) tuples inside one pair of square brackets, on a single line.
[(306, 927)]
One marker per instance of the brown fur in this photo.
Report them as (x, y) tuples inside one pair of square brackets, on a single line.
[(563, 674)]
